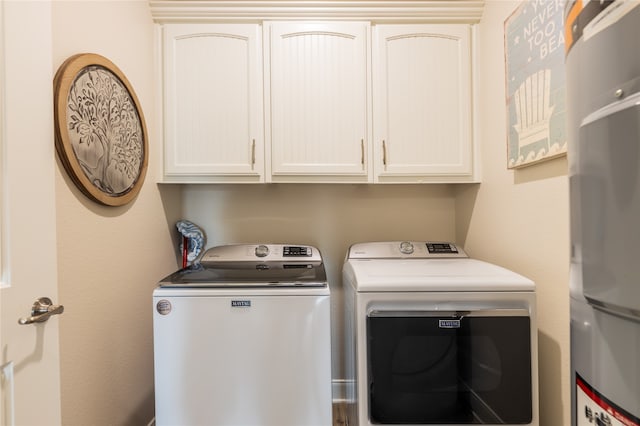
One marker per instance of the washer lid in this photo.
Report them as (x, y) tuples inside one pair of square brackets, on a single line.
[(261, 275), (446, 275)]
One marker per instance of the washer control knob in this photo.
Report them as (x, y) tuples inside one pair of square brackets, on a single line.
[(406, 247), (262, 250)]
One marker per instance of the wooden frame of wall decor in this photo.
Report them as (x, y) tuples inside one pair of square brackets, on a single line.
[(100, 131)]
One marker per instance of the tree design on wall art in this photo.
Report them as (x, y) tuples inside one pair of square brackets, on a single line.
[(100, 135)]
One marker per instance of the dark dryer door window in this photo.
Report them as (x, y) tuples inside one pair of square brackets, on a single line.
[(449, 367)]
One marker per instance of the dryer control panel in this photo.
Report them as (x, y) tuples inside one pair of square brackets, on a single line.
[(442, 248), (405, 250)]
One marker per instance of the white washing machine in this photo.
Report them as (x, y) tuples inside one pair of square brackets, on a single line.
[(436, 338), (243, 338)]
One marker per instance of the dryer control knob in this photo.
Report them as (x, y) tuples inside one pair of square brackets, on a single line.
[(406, 247), (262, 250)]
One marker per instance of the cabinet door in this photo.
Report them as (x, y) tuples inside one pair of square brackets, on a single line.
[(213, 103), (317, 92), (422, 103)]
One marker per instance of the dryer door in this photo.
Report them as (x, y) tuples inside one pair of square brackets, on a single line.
[(462, 367)]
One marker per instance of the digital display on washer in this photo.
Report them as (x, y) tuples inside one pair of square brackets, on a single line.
[(296, 251), (442, 248)]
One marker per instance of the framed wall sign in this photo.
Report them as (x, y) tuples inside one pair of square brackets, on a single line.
[(100, 132), (535, 83)]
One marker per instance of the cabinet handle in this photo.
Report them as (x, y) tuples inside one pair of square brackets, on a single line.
[(362, 152), (253, 153), (384, 154)]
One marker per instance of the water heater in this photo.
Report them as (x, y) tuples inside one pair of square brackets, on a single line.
[(602, 39)]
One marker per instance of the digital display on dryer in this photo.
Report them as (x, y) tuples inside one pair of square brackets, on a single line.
[(442, 248)]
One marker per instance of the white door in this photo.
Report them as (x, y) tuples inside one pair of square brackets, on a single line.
[(317, 88), (213, 102), (422, 102), (30, 376)]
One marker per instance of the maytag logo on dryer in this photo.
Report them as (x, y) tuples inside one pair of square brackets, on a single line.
[(241, 303), (449, 323)]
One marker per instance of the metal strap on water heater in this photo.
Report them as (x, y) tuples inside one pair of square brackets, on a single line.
[(621, 311)]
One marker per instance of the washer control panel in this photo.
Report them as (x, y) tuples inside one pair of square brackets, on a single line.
[(263, 253), (406, 250)]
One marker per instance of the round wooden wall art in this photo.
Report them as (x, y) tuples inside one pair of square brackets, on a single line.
[(101, 137)]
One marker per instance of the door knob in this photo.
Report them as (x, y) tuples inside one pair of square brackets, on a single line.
[(41, 310)]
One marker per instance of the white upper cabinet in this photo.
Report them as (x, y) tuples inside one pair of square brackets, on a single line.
[(318, 91), (316, 87), (213, 115), (423, 103)]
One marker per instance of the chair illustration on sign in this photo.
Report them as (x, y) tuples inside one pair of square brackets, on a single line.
[(533, 112)]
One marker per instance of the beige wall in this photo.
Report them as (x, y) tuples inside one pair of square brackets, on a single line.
[(519, 219), (110, 259)]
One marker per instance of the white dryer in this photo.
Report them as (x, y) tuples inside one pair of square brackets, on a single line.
[(436, 338)]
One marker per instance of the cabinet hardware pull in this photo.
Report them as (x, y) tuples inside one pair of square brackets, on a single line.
[(384, 154), (253, 153), (362, 152)]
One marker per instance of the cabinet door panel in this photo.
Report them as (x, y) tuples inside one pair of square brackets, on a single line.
[(318, 98), (422, 101), (213, 102)]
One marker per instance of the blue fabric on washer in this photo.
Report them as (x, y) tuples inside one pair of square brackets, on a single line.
[(195, 237)]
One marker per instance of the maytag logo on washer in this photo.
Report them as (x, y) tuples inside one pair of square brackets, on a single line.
[(163, 307), (449, 323), (241, 303)]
